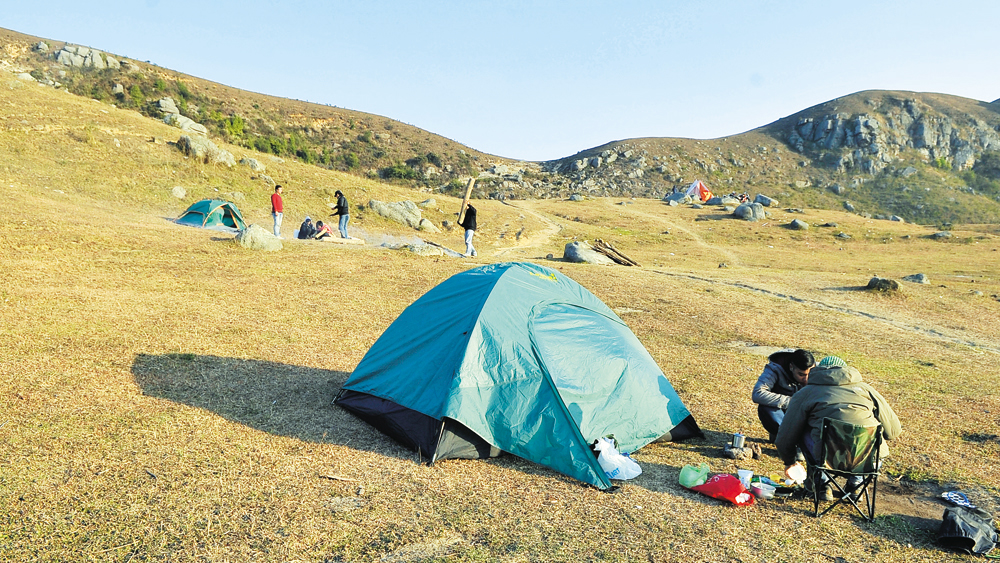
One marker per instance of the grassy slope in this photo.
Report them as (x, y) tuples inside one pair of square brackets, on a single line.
[(164, 394)]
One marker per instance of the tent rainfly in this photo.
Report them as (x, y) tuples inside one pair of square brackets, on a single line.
[(517, 358), (213, 214), (699, 190)]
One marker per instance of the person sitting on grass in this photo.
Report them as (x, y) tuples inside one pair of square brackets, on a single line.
[(786, 372), (834, 391), (322, 230), (307, 230)]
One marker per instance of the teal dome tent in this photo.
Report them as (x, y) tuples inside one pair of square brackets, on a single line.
[(213, 214), (514, 358)]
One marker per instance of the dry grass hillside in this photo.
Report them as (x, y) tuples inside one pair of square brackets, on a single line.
[(165, 394)]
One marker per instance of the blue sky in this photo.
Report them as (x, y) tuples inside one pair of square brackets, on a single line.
[(544, 80)]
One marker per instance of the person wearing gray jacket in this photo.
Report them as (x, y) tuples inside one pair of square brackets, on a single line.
[(786, 372), (834, 391)]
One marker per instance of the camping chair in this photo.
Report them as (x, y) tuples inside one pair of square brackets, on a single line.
[(848, 450)]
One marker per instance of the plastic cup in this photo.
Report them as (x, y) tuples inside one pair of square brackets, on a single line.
[(745, 475)]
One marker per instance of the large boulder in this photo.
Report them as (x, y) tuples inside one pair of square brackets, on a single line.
[(799, 225), (750, 212), (882, 284), (582, 252), (405, 212), (200, 148), (186, 124), (256, 237), (427, 226), (253, 164), (678, 197), (765, 201), (166, 106)]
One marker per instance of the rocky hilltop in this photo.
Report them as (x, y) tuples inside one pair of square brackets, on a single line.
[(930, 158)]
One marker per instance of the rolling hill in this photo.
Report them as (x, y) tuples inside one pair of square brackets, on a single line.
[(927, 158)]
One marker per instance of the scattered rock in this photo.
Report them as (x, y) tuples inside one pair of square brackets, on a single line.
[(427, 203), (849, 206), (550, 256), (941, 235), (256, 237), (916, 278), (799, 225), (882, 284), (253, 164), (844, 236), (696, 206), (426, 225), (186, 124), (679, 197), (576, 197), (897, 218), (723, 265), (405, 212), (200, 148), (750, 212), (765, 201), (829, 224), (743, 453), (837, 189), (166, 106), (582, 252)]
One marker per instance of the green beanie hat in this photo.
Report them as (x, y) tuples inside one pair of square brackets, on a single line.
[(831, 362)]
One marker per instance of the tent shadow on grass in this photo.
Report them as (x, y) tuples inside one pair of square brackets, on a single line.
[(280, 399)]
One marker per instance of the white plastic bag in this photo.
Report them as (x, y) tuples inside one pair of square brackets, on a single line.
[(614, 464)]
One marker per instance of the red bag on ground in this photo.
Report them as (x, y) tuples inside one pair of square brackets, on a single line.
[(726, 487)]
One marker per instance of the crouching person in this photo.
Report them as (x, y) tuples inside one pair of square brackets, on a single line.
[(834, 391), (786, 372)]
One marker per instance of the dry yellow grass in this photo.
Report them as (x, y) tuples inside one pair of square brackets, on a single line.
[(165, 394)]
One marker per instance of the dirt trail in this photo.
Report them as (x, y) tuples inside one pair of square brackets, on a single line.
[(552, 228), (540, 238), (937, 333), (728, 255)]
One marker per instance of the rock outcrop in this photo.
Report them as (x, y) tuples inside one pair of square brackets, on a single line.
[(256, 237), (200, 148)]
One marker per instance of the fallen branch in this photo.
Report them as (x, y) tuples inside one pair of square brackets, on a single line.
[(613, 253), (338, 478)]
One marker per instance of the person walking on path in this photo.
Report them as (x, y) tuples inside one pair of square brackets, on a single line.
[(344, 210), (277, 209), (469, 224)]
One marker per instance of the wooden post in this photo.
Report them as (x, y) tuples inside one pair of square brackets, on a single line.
[(465, 202)]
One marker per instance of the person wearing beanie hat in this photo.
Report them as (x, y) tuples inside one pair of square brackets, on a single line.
[(832, 362), (835, 390), (786, 372), (307, 230)]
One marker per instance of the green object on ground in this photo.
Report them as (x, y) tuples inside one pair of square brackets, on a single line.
[(692, 476)]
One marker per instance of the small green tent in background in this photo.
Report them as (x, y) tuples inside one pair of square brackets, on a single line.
[(519, 358), (213, 214)]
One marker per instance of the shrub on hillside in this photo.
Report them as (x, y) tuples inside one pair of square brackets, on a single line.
[(398, 172)]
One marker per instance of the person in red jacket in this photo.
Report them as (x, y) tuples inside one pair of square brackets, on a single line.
[(277, 209)]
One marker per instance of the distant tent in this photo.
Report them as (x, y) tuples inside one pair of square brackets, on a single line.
[(213, 214), (514, 357), (697, 189)]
